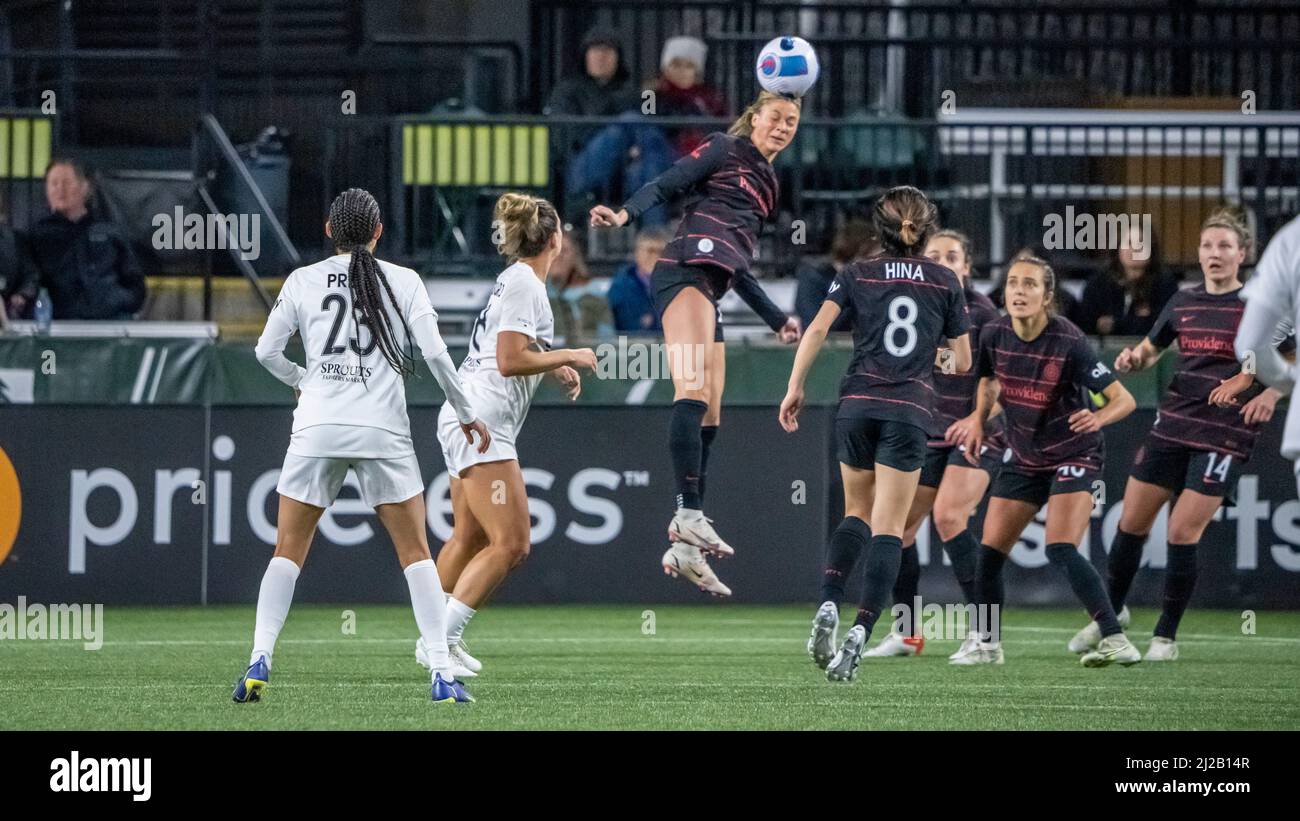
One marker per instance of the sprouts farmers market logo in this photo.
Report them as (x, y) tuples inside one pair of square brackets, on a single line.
[(11, 505)]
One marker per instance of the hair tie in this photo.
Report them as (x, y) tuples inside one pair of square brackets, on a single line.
[(907, 223)]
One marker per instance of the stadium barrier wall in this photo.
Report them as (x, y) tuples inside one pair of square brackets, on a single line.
[(147, 505)]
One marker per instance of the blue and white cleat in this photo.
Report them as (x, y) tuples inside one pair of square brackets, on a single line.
[(249, 686), (449, 692)]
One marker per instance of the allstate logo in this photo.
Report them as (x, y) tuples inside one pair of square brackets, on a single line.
[(769, 65), (705, 246), (11, 505)]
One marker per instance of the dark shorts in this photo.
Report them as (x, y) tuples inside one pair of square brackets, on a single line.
[(1036, 487), (863, 443), (668, 279), (937, 460), (1178, 468)]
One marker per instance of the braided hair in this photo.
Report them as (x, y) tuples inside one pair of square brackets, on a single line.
[(353, 219)]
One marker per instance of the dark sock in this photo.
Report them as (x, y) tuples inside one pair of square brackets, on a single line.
[(962, 551), (1085, 581), (884, 554), (1180, 579), (707, 434), (1122, 566), (842, 551), (909, 576), (685, 445), (989, 592)]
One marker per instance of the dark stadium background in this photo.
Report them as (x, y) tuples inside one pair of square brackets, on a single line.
[(437, 107)]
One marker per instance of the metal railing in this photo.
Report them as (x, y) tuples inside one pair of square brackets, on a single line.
[(998, 174), (28, 140), (902, 56)]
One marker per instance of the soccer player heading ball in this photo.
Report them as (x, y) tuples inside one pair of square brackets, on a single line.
[(904, 309), (728, 189)]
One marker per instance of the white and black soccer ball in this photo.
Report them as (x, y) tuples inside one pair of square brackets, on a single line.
[(787, 66)]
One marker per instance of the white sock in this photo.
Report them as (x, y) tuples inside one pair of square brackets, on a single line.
[(458, 615), (430, 612), (273, 601)]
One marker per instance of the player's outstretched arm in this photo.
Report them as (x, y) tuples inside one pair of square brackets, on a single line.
[(1137, 358), (517, 356), (680, 176), (809, 347)]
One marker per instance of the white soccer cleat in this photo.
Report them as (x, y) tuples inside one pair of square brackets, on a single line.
[(687, 561), (968, 645), (1116, 649), (458, 668), (1161, 649), (980, 652), (844, 666), (1088, 638), (693, 527), (821, 643), (460, 655), (896, 645)]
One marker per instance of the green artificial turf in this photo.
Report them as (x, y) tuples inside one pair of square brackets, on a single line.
[(595, 667)]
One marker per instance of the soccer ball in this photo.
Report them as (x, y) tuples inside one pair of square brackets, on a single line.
[(787, 66)]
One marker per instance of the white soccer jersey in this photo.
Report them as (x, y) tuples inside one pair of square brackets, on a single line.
[(518, 303), (346, 380), (1272, 311)]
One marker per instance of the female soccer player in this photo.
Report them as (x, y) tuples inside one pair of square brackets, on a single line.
[(904, 307), (1204, 432), (508, 355), (728, 188), (352, 415), (1041, 368), (949, 487)]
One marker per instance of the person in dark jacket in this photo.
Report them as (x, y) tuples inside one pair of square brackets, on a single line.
[(87, 265), (631, 296), (630, 151), (17, 276), (1126, 298), (854, 240)]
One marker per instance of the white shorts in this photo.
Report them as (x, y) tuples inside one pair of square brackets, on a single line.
[(460, 454), (316, 480)]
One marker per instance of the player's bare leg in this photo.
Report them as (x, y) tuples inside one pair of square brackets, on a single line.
[(683, 559), (689, 323), (406, 526), (295, 527), (467, 539)]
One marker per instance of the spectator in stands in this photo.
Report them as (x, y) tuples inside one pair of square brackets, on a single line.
[(577, 303), (853, 241), (1126, 298), (631, 298), (17, 277), (681, 91), (86, 264), (605, 88), (599, 158)]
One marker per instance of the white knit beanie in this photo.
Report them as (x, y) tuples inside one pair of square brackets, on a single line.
[(685, 47)]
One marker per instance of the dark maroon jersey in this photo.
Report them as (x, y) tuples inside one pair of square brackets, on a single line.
[(1204, 325), (955, 392), (903, 310), (1045, 381), (729, 190)]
